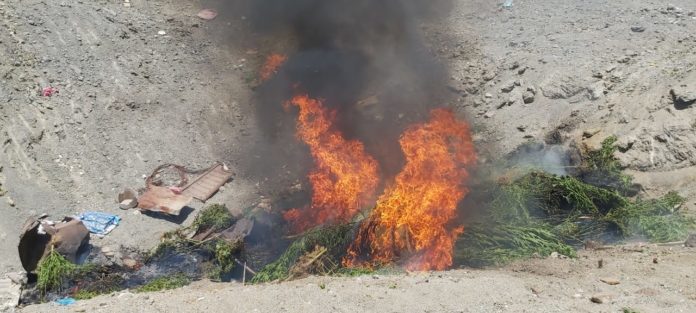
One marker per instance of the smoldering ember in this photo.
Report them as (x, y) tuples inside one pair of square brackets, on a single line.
[(347, 156)]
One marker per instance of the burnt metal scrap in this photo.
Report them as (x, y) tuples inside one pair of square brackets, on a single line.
[(171, 198)]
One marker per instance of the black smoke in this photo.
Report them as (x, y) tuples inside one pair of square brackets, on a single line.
[(367, 59)]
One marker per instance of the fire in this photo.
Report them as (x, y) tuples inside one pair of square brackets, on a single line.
[(271, 66), (345, 176), (411, 219)]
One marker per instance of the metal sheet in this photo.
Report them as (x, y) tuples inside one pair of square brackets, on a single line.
[(162, 199), (206, 185)]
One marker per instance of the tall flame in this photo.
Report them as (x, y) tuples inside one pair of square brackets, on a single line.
[(345, 176), (411, 220), (271, 66)]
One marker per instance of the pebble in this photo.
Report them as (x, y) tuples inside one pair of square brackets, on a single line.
[(691, 241), (528, 97), (601, 298), (610, 281), (161, 33), (637, 29), (509, 86)]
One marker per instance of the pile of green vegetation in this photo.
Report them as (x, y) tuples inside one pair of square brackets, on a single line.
[(213, 218), (334, 238), (540, 213), (53, 271), (165, 283)]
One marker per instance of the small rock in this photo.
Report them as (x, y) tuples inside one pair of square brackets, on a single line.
[(610, 281), (508, 87), (597, 299), (522, 128), (601, 298), (10, 202), (683, 96), (691, 241), (488, 95), (161, 33), (655, 260), (489, 114), (128, 204), (108, 251), (600, 263), (130, 263), (528, 97), (637, 29), (625, 143), (536, 291), (591, 132), (207, 14)]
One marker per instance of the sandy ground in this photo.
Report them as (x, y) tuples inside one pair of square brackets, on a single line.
[(152, 83), (543, 285)]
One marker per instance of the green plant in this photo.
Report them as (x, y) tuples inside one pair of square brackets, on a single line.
[(165, 283), (602, 163), (354, 271), (216, 217), (334, 238), (85, 294), (223, 258), (483, 245), (52, 271)]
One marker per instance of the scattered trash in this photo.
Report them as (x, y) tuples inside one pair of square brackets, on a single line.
[(162, 199), (507, 4), (66, 301), (10, 292), (69, 237), (240, 230), (49, 91), (100, 223), (210, 182), (161, 33), (207, 14), (170, 197)]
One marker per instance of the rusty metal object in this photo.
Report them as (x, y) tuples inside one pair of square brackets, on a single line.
[(206, 185), (163, 199), (169, 200), (68, 238)]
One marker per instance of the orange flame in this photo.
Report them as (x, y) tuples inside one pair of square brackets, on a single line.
[(345, 176), (271, 66), (410, 221)]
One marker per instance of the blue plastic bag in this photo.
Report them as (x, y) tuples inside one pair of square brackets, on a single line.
[(99, 223), (66, 301)]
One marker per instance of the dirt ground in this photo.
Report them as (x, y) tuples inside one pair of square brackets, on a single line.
[(151, 83), (540, 285)]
